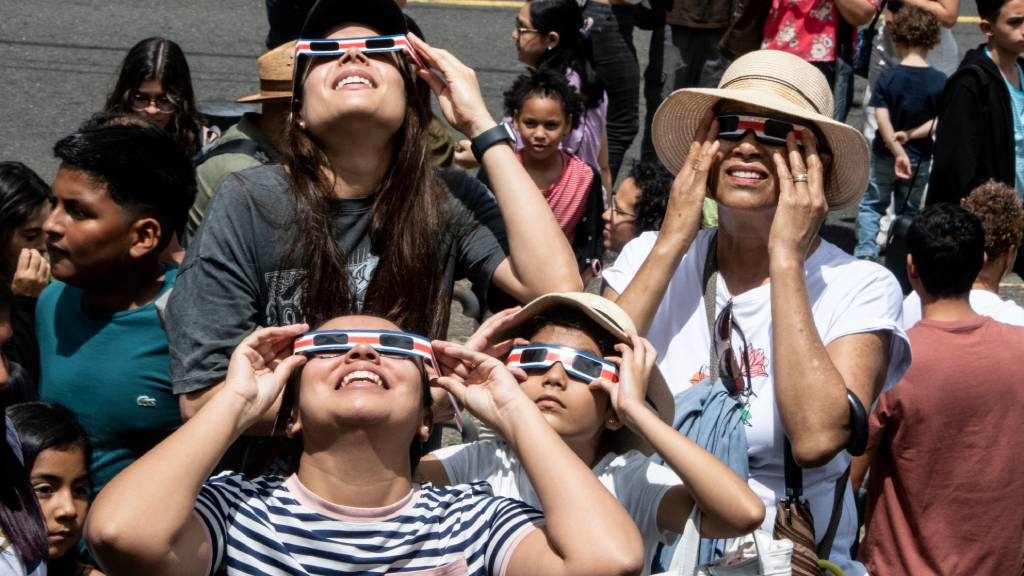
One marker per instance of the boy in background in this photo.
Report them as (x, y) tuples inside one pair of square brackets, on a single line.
[(980, 135), (906, 101), (121, 191)]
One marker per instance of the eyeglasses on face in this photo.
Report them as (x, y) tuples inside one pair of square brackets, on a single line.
[(766, 130), (619, 211), (519, 29), (140, 102)]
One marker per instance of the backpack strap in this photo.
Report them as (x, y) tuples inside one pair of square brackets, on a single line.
[(240, 146)]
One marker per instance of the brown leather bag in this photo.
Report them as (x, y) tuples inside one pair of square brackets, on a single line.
[(746, 28)]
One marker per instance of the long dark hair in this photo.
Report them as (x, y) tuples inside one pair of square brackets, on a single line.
[(574, 50), (405, 229), (161, 59), (21, 521), (22, 194), (41, 426)]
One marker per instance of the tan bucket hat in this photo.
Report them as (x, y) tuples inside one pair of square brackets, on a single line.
[(777, 81), (615, 321), (275, 74)]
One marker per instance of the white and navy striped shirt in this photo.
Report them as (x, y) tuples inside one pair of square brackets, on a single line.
[(272, 525)]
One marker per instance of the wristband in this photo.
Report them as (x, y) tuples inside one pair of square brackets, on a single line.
[(496, 135)]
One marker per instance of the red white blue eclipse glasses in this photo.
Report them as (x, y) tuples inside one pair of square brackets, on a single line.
[(333, 343), (766, 130), (576, 363), (334, 47)]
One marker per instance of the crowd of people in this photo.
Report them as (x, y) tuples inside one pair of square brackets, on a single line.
[(227, 351)]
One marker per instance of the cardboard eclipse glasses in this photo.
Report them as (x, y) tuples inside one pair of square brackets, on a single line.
[(766, 130), (576, 363), (331, 343), (333, 47)]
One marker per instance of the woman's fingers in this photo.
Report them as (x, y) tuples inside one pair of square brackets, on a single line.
[(452, 386), (815, 169), (284, 369)]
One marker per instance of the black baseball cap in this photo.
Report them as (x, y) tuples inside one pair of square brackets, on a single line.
[(384, 16)]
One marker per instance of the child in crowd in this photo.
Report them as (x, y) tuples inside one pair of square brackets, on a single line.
[(595, 382), (980, 134), (56, 452), (121, 190), (544, 109), (25, 201), (22, 533), (1001, 213), (906, 100), (638, 205), (359, 399), (155, 83)]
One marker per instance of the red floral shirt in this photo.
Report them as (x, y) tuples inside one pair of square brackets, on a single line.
[(806, 28)]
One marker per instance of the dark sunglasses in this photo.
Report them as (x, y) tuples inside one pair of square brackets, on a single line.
[(766, 130), (577, 363), (735, 380)]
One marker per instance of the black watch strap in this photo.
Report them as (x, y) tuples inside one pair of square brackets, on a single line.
[(496, 135)]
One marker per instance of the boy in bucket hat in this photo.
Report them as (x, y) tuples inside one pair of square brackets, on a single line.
[(796, 323), (256, 139), (578, 358)]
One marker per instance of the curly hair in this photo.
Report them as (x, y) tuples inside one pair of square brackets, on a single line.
[(544, 83), (914, 27), (1001, 213), (654, 183)]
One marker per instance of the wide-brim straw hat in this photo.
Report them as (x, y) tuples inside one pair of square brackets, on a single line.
[(615, 322), (780, 82), (275, 68)]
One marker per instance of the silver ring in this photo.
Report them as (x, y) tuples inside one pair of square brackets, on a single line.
[(800, 178)]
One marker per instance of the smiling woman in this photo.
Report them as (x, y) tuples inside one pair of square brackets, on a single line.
[(358, 219), (805, 322)]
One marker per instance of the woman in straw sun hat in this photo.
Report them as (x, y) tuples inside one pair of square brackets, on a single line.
[(797, 322)]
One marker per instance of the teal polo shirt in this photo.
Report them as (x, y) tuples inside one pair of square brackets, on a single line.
[(111, 371)]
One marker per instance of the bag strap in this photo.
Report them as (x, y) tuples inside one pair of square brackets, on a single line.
[(825, 546), (711, 299), (239, 146)]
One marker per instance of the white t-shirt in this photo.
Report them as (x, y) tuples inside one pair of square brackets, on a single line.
[(635, 481), (984, 302), (848, 296)]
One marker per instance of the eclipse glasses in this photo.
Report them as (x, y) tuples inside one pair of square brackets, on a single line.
[(766, 130), (576, 363), (334, 343), (367, 45)]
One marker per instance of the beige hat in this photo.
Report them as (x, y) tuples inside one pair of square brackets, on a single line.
[(275, 74), (777, 81), (615, 321)]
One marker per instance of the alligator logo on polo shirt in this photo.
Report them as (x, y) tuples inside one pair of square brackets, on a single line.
[(146, 401)]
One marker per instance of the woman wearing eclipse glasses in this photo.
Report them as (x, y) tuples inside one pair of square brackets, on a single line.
[(788, 321), (361, 407), (357, 219)]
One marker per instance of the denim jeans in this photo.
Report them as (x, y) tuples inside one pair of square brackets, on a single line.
[(883, 188), (616, 65)]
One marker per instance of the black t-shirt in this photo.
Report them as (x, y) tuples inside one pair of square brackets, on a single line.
[(911, 93), (235, 277)]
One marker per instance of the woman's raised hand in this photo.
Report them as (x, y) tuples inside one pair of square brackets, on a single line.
[(488, 390), (802, 205), (686, 199), (260, 367), (456, 87), (31, 274)]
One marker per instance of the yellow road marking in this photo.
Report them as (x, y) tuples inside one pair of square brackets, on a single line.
[(518, 4)]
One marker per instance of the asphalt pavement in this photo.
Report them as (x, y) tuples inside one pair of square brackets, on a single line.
[(59, 59)]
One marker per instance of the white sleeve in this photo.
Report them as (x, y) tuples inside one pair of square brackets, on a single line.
[(911, 310), (640, 484), (628, 262), (468, 463), (874, 304)]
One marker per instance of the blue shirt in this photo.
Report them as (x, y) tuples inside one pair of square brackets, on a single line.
[(111, 371), (911, 94), (1017, 104)]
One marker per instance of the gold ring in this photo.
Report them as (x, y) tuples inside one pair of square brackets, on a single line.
[(800, 177)]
